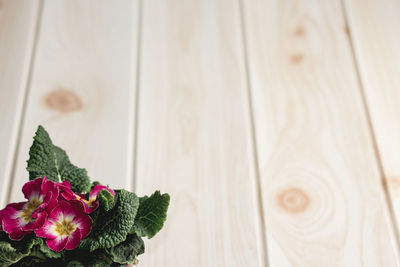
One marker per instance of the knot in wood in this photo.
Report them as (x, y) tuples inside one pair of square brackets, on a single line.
[(63, 100), (293, 200)]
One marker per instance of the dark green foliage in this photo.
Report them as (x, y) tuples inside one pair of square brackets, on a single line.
[(111, 228), (127, 251), (79, 257), (13, 251), (75, 264), (48, 253), (151, 215), (49, 160)]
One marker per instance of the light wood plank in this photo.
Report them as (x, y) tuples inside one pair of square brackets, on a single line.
[(17, 30), (324, 204), (374, 27), (194, 136), (83, 87)]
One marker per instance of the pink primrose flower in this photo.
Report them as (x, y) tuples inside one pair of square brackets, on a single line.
[(65, 227), (20, 219), (89, 205)]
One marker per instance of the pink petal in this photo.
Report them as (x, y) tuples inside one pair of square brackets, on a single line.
[(71, 196), (57, 244), (68, 195), (92, 207), (10, 225), (46, 185), (84, 205), (75, 208), (57, 214), (74, 239), (47, 230), (37, 223), (79, 205), (10, 221), (65, 191), (40, 209), (65, 185), (10, 216), (50, 192), (51, 198), (64, 205), (84, 224), (32, 188), (17, 235), (15, 207)]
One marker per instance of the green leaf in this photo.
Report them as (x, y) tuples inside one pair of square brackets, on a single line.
[(151, 215), (49, 160), (106, 200), (111, 228), (127, 251), (80, 258), (46, 251), (9, 255), (13, 251)]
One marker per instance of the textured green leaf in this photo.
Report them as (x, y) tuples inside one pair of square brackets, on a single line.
[(80, 257), (49, 160), (9, 255), (127, 251), (106, 200), (13, 251), (151, 215), (111, 228), (47, 252)]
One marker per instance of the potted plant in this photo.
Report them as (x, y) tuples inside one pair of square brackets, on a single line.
[(67, 220)]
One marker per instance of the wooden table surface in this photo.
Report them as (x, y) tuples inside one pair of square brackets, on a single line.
[(273, 124)]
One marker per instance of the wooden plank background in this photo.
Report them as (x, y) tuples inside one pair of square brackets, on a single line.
[(18, 20), (273, 124)]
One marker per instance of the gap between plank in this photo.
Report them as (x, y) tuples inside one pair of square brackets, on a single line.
[(25, 99), (259, 200), (367, 114), (137, 94)]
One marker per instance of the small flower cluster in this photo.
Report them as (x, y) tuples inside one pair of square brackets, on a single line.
[(52, 211)]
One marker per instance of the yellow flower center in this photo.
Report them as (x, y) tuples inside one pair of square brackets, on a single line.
[(30, 207), (89, 202), (66, 227)]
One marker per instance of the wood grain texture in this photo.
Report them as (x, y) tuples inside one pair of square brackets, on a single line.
[(374, 28), (194, 139), (17, 31), (324, 204), (83, 87)]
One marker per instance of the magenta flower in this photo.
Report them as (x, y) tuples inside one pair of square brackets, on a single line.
[(89, 205), (66, 226), (20, 219)]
